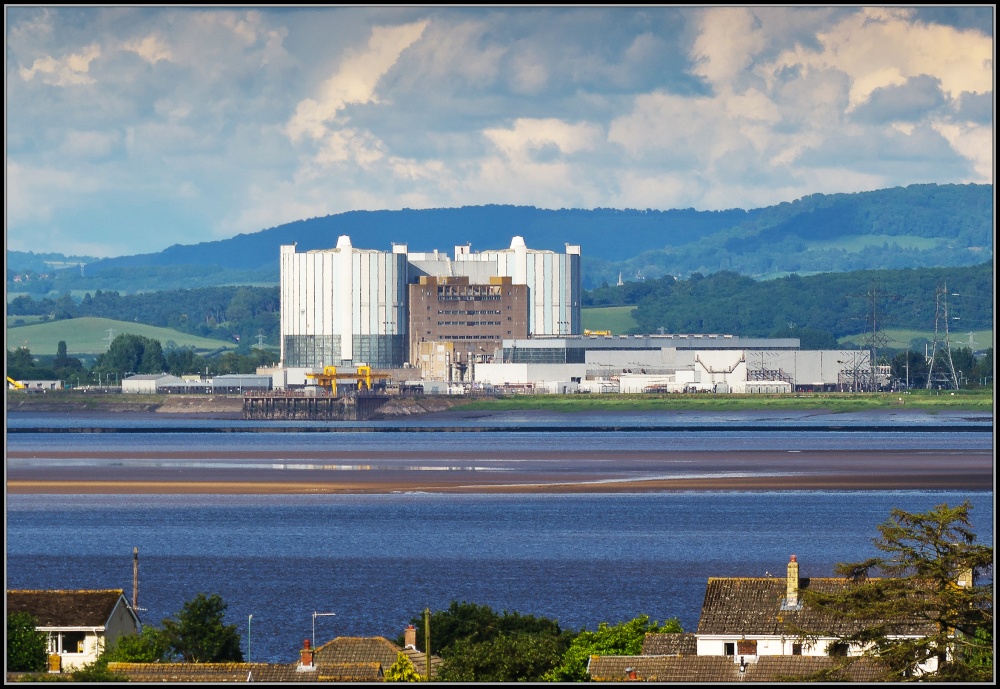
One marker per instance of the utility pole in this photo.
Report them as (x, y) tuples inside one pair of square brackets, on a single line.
[(427, 641), (135, 578)]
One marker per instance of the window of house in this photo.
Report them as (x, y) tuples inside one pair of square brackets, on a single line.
[(796, 649), (73, 642), (837, 649), (730, 649)]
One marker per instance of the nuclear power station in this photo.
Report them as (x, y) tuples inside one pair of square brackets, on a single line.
[(347, 306)]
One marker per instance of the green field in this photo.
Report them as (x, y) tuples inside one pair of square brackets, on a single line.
[(858, 242), (900, 339), (90, 336), (617, 319)]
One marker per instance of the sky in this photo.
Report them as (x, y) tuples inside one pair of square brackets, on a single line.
[(130, 129)]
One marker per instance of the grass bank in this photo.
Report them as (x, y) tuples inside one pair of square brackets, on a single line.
[(964, 400), (927, 401)]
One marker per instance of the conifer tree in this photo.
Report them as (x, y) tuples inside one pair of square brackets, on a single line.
[(933, 580)]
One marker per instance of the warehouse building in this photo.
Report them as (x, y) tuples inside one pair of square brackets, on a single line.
[(710, 363)]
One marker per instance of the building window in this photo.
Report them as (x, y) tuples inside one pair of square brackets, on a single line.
[(730, 649), (796, 649), (837, 649)]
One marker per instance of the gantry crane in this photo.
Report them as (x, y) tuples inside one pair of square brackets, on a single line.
[(362, 379)]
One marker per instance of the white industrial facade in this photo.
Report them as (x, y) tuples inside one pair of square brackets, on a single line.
[(676, 369), (343, 307), (347, 306), (553, 282)]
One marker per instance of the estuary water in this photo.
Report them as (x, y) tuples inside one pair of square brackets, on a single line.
[(377, 560)]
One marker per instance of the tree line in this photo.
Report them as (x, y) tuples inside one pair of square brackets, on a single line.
[(128, 355)]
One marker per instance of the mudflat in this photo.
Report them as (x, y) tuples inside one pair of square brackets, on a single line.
[(493, 470)]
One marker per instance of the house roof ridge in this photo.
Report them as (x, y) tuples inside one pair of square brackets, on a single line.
[(122, 591)]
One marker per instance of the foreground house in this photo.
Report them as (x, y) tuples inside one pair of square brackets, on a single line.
[(646, 668), (80, 624), (375, 649), (751, 617)]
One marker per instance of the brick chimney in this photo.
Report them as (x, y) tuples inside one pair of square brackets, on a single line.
[(410, 637), (632, 674), (792, 584), (306, 657)]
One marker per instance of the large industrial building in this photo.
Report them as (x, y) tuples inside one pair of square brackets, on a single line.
[(512, 317), (346, 306)]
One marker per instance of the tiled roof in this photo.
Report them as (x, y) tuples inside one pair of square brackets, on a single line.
[(669, 644), (351, 672), (753, 606), (362, 649), (243, 672), (55, 608), (358, 649), (727, 668)]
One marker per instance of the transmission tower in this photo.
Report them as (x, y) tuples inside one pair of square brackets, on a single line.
[(941, 314), (876, 301)]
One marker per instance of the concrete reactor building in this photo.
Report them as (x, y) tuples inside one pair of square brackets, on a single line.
[(348, 306)]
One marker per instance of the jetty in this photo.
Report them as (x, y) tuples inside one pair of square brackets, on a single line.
[(300, 406)]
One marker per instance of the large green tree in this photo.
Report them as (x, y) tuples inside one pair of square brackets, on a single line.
[(199, 633), (519, 657), (152, 645), (624, 638), (476, 623), (27, 649), (934, 577), (130, 354), (477, 643)]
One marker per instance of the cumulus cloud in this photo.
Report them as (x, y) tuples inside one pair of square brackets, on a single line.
[(912, 100), (151, 48), (68, 70), (216, 121), (354, 81)]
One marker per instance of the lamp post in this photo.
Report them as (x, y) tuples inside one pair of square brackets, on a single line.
[(249, 637), (315, 615)]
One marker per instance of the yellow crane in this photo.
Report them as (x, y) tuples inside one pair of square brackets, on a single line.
[(17, 386), (362, 379)]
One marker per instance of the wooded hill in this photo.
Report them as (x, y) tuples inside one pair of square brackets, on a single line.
[(818, 309), (837, 304), (917, 226)]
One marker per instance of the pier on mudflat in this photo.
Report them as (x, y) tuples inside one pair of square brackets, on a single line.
[(290, 406)]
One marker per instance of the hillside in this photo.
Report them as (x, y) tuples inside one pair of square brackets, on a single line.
[(916, 226), (89, 335)]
